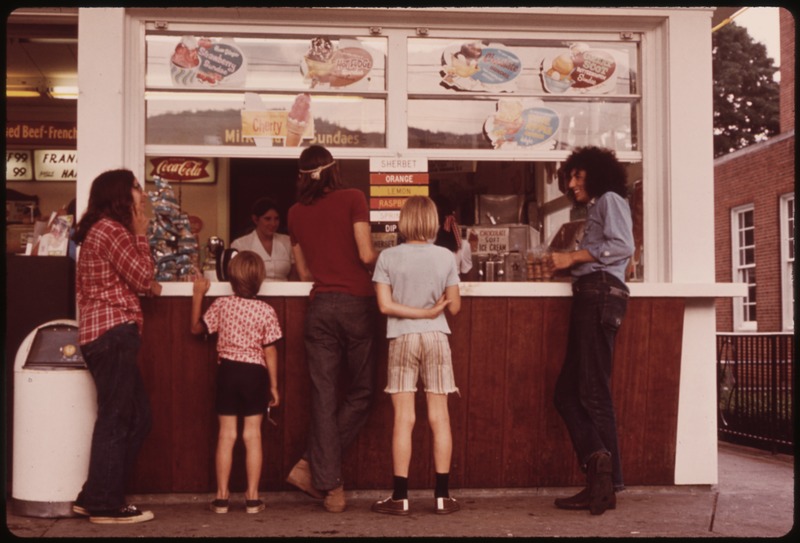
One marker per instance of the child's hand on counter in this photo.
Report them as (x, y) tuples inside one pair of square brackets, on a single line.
[(201, 285)]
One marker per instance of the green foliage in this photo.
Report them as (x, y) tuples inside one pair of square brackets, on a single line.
[(746, 97)]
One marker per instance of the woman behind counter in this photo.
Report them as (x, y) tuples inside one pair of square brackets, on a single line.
[(274, 248)]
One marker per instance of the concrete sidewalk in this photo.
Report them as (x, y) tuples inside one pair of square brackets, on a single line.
[(754, 498)]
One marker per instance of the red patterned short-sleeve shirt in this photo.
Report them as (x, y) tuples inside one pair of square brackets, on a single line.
[(245, 326)]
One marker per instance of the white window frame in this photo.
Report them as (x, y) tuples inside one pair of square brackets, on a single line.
[(787, 238), (740, 323)]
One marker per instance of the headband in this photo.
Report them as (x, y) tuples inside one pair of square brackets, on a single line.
[(315, 173)]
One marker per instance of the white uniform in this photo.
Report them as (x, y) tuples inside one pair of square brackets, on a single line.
[(279, 264)]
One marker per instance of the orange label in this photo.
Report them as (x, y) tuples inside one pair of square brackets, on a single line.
[(398, 178)]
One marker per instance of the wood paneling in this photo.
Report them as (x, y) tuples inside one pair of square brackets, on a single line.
[(507, 353)]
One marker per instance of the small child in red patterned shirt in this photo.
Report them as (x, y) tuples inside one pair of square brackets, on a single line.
[(248, 367)]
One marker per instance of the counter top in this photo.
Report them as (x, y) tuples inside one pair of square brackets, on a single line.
[(501, 289)]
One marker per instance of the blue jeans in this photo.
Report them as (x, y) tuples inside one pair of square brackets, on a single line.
[(123, 416), (583, 390), (339, 337)]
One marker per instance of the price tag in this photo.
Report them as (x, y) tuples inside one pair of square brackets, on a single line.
[(56, 165), (19, 166)]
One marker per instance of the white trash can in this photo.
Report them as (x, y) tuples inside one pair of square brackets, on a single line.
[(55, 407)]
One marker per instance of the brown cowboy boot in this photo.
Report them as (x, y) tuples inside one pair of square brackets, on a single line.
[(601, 489)]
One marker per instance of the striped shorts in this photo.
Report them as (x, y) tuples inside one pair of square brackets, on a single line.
[(426, 353)]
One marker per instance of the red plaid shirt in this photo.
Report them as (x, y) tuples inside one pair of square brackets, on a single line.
[(114, 266)]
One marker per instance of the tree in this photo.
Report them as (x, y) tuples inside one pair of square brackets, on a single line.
[(746, 97)]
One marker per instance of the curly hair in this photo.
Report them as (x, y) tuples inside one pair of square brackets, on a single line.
[(604, 173), (109, 198), (318, 174)]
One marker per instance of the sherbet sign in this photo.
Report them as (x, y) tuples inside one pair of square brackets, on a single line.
[(392, 181)]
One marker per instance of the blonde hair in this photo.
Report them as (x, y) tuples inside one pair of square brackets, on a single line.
[(246, 271), (419, 220)]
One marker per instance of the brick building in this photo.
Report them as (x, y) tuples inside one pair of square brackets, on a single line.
[(754, 192)]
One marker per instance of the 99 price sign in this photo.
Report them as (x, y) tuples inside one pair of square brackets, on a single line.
[(19, 166)]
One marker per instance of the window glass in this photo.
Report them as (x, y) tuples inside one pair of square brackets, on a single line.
[(218, 119), (522, 66), (516, 94), (787, 260), (265, 91), (356, 64), (744, 263), (519, 124)]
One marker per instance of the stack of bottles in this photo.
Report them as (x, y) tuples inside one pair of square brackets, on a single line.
[(174, 247)]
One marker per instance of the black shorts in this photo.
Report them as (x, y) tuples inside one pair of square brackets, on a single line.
[(242, 388)]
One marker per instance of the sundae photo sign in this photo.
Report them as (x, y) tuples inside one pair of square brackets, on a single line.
[(202, 62), (580, 69), (522, 124), (329, 65), (478, 67)]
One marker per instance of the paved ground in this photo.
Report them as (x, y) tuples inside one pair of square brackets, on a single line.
[(754, 498)]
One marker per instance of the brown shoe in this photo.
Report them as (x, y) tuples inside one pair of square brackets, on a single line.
[(300, 476), (601, 489), (334, 501), (445, 506), (391, 507), (580, 501)]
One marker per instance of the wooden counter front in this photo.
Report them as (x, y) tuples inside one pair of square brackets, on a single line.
[(507, 352)]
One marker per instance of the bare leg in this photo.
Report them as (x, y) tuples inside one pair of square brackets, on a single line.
[(439, 419), (224, 458), (404, 418), (251, 434)]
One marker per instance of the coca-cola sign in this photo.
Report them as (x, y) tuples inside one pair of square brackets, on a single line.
[(182, 169)]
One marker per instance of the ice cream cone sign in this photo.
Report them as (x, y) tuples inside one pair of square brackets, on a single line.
[(299, 120), (267, 125)]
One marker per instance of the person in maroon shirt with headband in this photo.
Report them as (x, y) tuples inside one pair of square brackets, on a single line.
[(114, 267), (332, 245)]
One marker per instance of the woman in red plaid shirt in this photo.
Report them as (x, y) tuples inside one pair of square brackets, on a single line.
[(114, 267)]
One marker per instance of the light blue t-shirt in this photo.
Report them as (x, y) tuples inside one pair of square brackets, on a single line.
[(418, 274)]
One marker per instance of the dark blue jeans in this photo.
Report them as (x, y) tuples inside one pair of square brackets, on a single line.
[(339, 338), (583, 390), (123, 416)]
